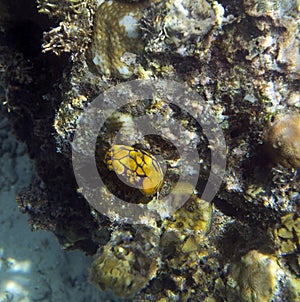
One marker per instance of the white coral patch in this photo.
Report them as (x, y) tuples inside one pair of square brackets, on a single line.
[(99, 2), (124, 71), (131, 25), (180, 8), (98, 60)]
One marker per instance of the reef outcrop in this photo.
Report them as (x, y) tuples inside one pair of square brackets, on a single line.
[(241, 57)]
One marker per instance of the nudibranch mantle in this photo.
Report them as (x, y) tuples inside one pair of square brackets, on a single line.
[(136, 167)]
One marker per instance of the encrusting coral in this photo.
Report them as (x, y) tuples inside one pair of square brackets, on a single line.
[(127, 263), (253, 278), (116, 37), (282, 138)]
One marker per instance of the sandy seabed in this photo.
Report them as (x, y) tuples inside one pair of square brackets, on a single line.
[(33, 266)]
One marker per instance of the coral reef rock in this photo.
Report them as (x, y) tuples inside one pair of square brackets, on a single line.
[(241, 58), (254, 278)]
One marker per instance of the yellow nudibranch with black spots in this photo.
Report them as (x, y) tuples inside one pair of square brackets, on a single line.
[(137, 167)]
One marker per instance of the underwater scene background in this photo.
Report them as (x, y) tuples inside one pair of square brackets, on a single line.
[(154, 149)]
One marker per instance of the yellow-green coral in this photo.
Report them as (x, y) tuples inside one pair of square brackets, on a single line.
[(116, 37), (195, 215), (253, 278), (116, 272), (127, 263), (187, 230), (287, 233), (293, 285)]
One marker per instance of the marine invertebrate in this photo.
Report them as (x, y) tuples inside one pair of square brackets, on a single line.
[(116, 38), (282, 140), (288, 233), (136, 167), (128, 262), (287, 238), (184, 241), (253, 278)]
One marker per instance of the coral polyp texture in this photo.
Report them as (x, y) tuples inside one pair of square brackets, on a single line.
[(242, 58), (283, 139), (254, 278), (125, 268), (117, 37)]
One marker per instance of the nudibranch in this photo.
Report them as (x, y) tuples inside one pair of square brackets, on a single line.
[(135, 167)]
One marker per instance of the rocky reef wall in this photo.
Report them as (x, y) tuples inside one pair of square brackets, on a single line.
[(242, 58)]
